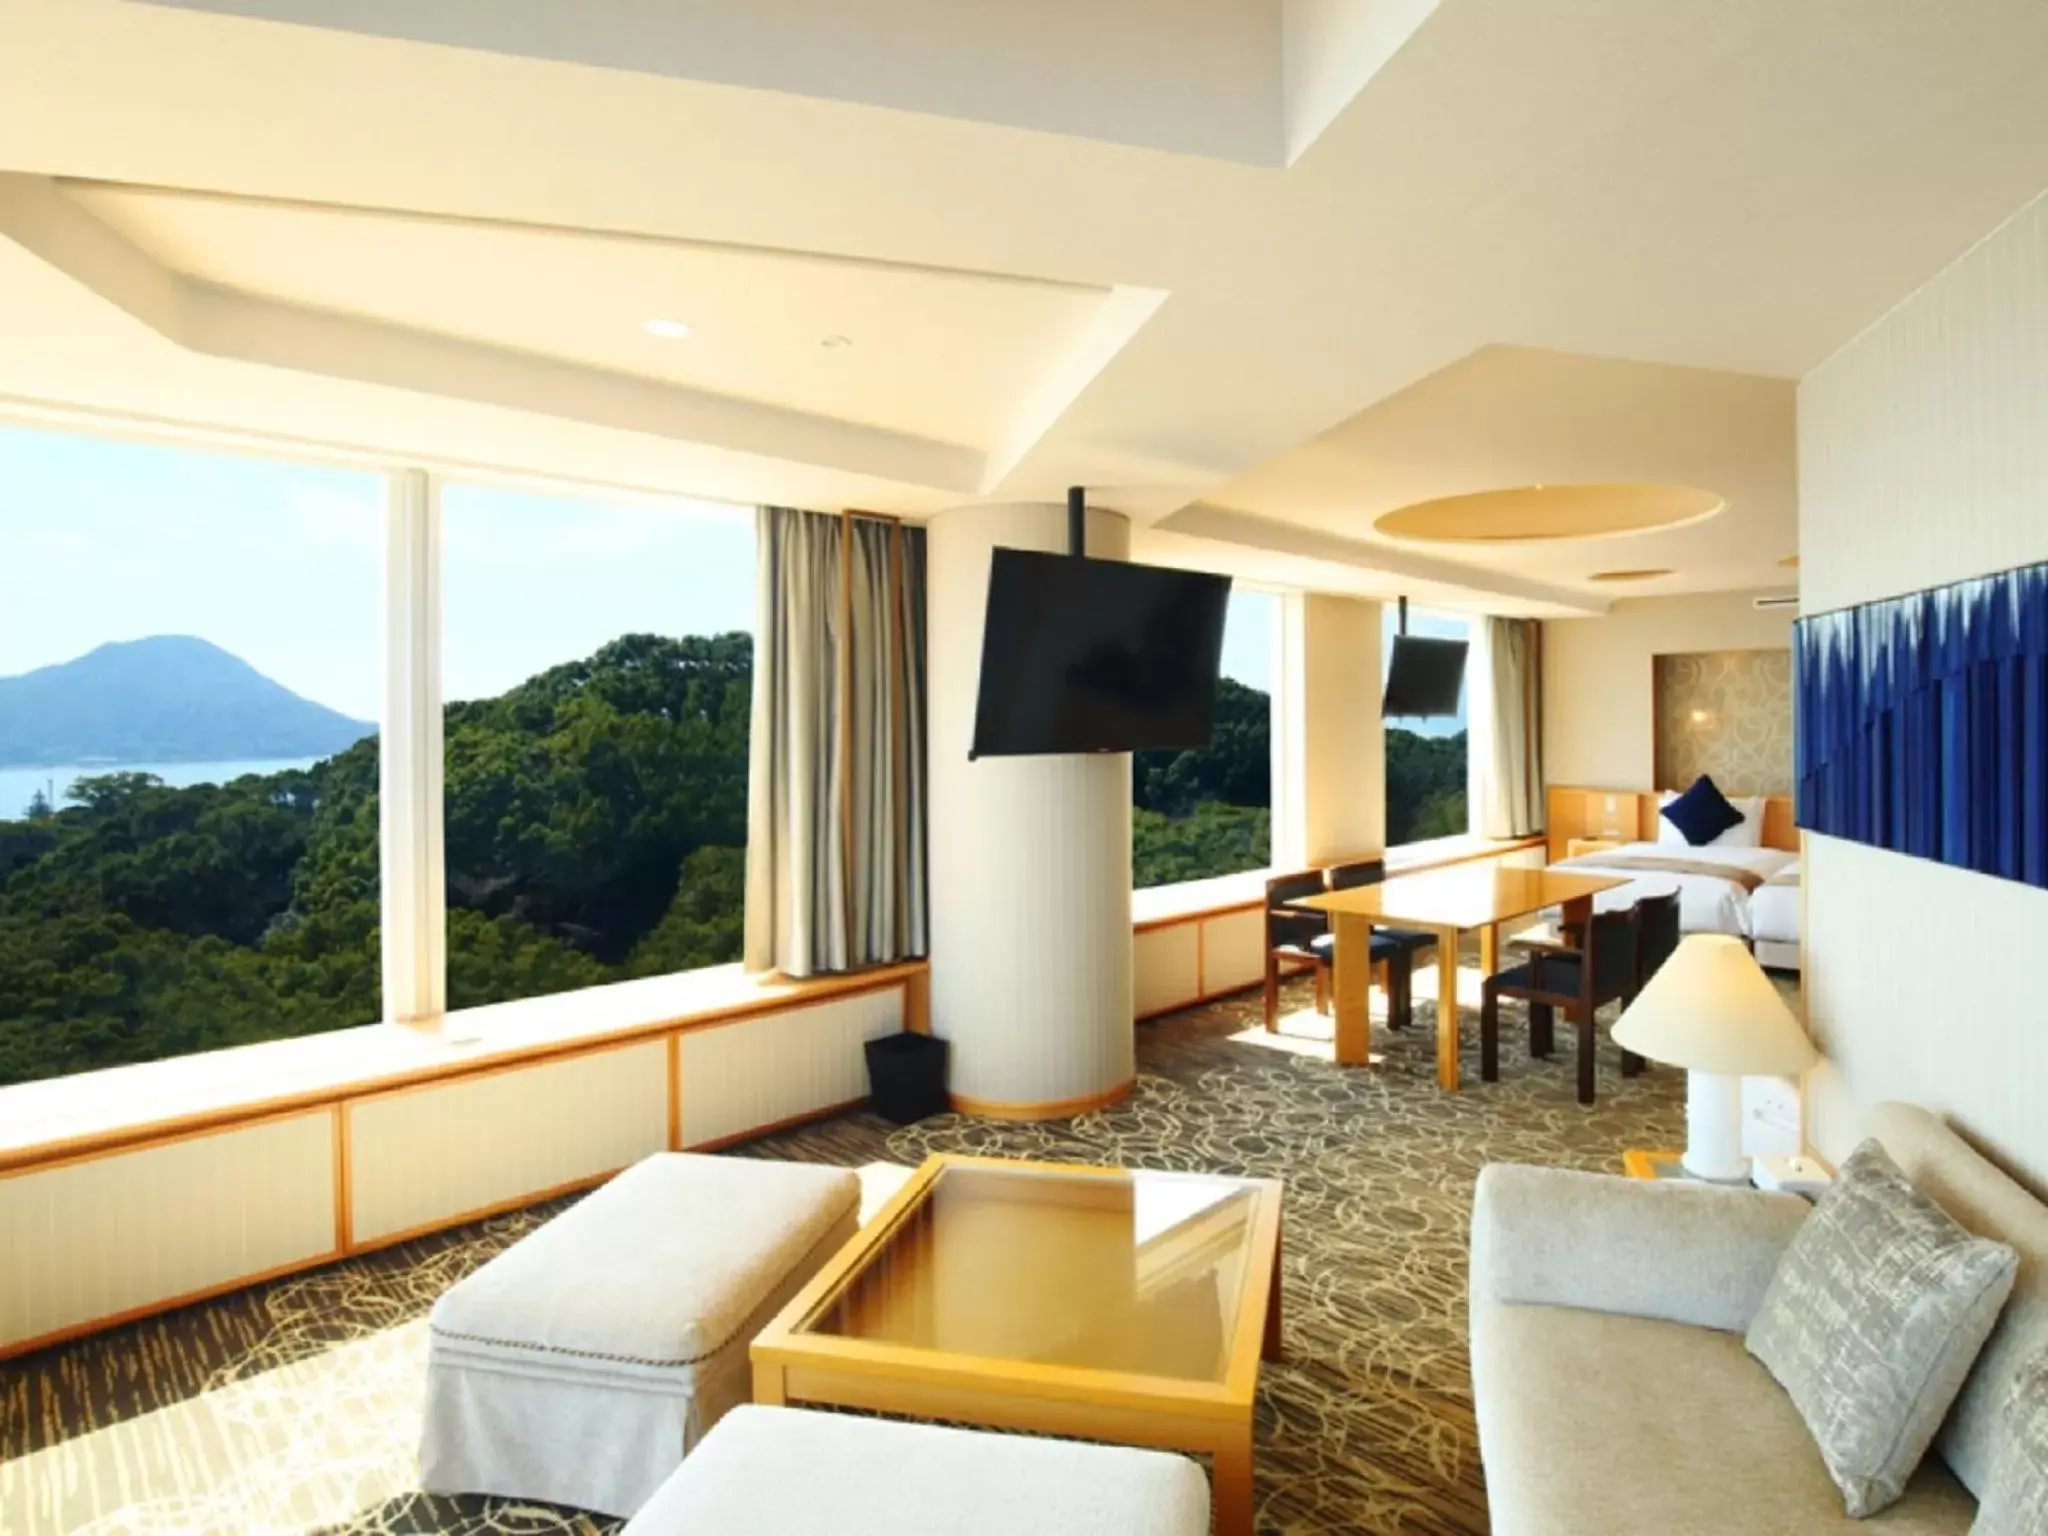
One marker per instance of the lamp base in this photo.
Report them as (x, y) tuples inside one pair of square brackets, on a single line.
[(1713, 1128)]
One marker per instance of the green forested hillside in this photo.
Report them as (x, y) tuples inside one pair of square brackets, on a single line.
[(1425, 786), (595, 827), (595, 820), (1205, 811)]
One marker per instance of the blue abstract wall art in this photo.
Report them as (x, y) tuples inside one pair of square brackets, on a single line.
[(1921, 724)]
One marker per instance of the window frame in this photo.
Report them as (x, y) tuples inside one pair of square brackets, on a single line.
[(412, 866), (1279, 800), (1426, 851)]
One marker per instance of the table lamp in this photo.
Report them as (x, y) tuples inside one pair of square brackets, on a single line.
[(1711, 1009)]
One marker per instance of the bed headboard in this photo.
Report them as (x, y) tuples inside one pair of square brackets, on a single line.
[(1630, 815)]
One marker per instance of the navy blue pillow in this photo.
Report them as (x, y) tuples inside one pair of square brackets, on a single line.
[(1702, 813)]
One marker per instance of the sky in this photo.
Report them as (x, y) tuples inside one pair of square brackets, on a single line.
[(1250, 626), (103, 539)]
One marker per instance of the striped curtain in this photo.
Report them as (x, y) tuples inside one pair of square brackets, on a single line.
[(1921, 724), (1503, 753), (835, 824)]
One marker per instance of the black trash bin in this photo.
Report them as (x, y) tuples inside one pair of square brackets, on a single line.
[(907, 1076)]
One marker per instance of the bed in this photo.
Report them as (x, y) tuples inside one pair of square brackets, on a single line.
[(1716, 886), (1774, 919), (1763, 855)]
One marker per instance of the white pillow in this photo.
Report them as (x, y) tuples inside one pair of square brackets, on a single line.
[(1748, 834)]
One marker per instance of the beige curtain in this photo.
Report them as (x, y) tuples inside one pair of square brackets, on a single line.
[(835, 825), (1504, 761)]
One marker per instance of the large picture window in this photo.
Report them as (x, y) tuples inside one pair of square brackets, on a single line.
[(1425, 757), (1209, 811), (597, 666), (189, 682)]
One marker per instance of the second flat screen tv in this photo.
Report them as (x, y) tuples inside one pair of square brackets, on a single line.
[(1424, 677), (1087, 655)]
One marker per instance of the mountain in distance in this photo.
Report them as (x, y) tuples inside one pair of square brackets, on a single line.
[(165, 699)]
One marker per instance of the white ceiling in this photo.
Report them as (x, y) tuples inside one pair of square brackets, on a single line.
[(1515, 416), (1408, 269), (758, 319), (1200, 77)]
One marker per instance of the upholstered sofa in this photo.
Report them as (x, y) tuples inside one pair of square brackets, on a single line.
[(1614, 1394)]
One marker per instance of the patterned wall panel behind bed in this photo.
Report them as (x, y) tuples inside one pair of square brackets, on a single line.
[(1728, 714), (1923, 724)]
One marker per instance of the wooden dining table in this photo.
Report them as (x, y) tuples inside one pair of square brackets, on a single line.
[(1448, 903)]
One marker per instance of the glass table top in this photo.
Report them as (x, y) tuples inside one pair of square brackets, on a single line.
[(1135, 1272)]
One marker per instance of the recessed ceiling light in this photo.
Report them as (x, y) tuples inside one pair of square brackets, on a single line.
[(836, 341), (667, 330)]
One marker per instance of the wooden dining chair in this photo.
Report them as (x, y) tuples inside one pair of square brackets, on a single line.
[(1596, 964), (1656, 938), (1292, 934), (1396, 951)]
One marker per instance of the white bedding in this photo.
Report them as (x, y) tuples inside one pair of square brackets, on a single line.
[(1774, 911), (1705, 904)]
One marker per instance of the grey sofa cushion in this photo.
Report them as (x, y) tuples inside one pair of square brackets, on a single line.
[(2016, 1504), (1872, 1321), (1966, 1185), (1594, 1424), (1688, 1253)]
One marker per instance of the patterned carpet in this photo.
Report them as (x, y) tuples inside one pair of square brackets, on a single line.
[(295, 1407)]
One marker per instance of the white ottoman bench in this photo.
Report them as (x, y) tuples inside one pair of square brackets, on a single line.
[(582, 1363), (794, 1472)]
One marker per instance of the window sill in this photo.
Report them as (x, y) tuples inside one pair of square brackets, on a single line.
[(1161, 906), (92, 1112), (1463, 848)]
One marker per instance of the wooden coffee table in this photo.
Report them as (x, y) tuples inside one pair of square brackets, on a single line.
[(1102, 1303)]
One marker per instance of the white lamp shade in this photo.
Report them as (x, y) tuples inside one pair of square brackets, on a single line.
[(1711, 1008)]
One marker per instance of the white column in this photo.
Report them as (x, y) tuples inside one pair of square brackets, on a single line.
[(1030, 859), (1330, 751), (409, 773)]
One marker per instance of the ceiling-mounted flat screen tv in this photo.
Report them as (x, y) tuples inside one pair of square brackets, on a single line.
[(1424, 677), (1085, 655)]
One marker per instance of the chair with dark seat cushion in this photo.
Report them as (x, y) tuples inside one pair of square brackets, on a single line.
[(1656, 938), (1292, 934), (1597, 965), (1656, 934), (1400, 950), (1389, 963)]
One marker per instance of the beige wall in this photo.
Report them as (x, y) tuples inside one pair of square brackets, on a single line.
[(1922, 460), (1727, 714), (1331, 753), (1599, 726), (258, 1198)]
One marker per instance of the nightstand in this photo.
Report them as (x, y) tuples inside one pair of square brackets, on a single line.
[(1574, 847)]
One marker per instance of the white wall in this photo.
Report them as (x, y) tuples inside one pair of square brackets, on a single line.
[(1178, 964), (1330, 779), (1599, 725), (1923, 458), (91, 1239)]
